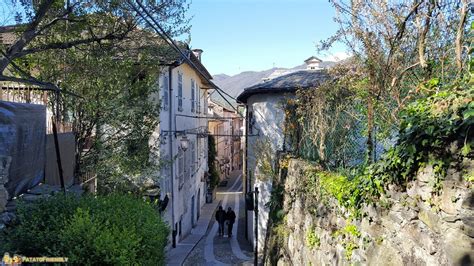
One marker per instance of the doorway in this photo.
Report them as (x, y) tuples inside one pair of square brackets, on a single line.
[(198, 204)]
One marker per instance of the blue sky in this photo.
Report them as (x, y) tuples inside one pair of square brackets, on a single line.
[(243, 35)]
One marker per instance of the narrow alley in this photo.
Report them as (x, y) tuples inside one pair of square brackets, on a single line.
[(212, 132), (213, 249)]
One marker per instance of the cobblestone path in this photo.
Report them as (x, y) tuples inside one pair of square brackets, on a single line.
[(217, 250)]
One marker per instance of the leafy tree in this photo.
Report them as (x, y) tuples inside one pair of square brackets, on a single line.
[(104, 52), (55, 25)]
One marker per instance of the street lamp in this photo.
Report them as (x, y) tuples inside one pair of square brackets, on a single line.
[(184, 143)]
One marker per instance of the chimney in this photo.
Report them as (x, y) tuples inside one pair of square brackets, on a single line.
[(197, 53), (312, 63)]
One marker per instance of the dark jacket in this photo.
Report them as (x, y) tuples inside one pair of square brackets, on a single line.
[(230, 216), (220, 216)]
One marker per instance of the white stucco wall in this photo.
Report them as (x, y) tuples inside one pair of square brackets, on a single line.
[(184, 120), (268, 118)]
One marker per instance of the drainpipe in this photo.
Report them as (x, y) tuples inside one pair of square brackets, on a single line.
[(246, 185), (170, 136)]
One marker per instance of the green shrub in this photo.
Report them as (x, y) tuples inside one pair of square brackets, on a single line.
[(105, 230)]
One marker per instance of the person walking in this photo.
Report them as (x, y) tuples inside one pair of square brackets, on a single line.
[(230, 217), (220, 218)]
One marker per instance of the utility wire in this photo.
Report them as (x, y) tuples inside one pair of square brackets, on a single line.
[(160, 31)]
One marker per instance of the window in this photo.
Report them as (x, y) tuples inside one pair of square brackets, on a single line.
[(165, 88), (187, 169), (193, 157), (193, 95), (204, 94), (180, 92), (199, 151), (198, 101), (205, 149), (181, 168), (250, 123), (165, 163)]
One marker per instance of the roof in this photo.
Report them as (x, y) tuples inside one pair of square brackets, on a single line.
[(222, 103), (312, 58), (287, 83), (218, 99)]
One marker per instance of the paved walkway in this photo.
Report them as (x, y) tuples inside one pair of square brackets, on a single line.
[(176, 256), (217, 250)]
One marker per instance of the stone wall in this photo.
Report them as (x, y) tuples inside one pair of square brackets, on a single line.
[(413, 227), (4, 167)]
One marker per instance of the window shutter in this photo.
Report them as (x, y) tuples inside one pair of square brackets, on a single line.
[(180, 92), (198, 102), (165, 89), (181, 168), (192, 95)]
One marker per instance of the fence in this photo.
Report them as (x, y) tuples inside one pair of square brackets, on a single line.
[(23, 94), (331, 129)]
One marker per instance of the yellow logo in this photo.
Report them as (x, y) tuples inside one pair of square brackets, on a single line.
[(17, 259)]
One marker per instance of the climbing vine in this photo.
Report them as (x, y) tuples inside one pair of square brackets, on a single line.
[(265, 160), (434, 131), (211, 162)]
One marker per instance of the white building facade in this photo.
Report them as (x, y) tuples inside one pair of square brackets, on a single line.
[(183, 143), (265, 118)]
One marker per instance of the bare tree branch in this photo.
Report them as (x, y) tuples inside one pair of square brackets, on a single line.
[(424, 32), (67, 45), (395, 42), (62, 17), (396, 79)]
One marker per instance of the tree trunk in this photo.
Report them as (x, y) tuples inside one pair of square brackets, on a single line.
[(370, 128), (460, 34), (423, 33)]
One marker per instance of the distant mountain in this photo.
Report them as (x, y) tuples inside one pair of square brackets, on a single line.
[(234, 85), (220, 77)]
